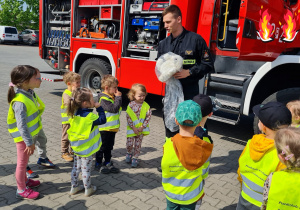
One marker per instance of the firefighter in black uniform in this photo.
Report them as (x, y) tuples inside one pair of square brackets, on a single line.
[(191, 47)]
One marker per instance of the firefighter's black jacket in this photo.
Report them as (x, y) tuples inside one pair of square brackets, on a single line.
[(197, 58)]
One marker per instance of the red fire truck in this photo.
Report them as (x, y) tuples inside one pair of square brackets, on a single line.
[(255, 44)]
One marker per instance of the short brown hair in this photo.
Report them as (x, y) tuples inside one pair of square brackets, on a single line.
[(108, 80), (71, 77), (133, 90), (172, 9)]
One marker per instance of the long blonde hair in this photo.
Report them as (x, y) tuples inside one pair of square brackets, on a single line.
[(287, 141), (79, 96), (294, 107)]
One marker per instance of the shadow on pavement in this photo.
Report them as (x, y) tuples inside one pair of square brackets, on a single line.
[(225, 164), (231, 207)]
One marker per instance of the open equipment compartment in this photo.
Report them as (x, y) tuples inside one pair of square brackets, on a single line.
[(145, 28)]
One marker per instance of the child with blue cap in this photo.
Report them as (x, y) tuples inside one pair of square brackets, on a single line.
[(183, 159)]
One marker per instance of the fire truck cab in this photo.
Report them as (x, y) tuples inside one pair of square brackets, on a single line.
[(255, 44)]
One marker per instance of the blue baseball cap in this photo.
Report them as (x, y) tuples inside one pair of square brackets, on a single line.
[(188, 110)]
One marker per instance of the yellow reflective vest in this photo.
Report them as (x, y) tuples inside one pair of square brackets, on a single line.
[(84, 140), (205, 167), (112, 119), (64, 116), (138, 122), (283, 192), (33, 116), (255, 173), (181, 186)]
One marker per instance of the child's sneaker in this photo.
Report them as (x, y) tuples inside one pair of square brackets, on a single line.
[(45, 162), (30, 174), (134, 163), (31, 183), (104, 169), (27, 194), (128, 158), (67, 157), (75, 190), (98, 166), (88, 192), (112, 168)]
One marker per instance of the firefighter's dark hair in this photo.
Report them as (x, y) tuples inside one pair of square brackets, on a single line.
[(172, 9), (79, 96), (19, 75)]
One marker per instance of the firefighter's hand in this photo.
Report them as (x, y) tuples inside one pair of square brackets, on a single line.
[(97, 104), (118, 93), (182, 74), (30, 149), (135, 130)]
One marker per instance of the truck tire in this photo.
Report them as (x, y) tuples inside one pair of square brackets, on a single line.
[(283, 96), (92, 71)]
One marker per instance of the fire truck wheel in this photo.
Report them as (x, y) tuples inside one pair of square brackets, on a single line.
[(92, 71), (283, 96)]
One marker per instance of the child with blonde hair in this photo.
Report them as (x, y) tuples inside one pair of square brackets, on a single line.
[(294, 107), (72, 81), (84, 136), (111, 101), (281, 187), (138, 116)]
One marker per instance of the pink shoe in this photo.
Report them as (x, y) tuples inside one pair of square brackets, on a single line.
[(27, 194), (32, 183)]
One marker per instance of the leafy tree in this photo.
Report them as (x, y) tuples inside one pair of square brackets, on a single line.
[(13, 14)]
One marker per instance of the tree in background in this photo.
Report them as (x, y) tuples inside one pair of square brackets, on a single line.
[(20, 13)]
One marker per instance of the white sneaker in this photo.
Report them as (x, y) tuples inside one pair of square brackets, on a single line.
[(75, 190), (90, 191)]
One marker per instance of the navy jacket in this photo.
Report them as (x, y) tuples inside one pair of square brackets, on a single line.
[(197, 58)]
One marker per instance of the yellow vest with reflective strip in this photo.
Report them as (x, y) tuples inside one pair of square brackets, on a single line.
[(33, 116), (64, 116), (255, 173), (205, 167), (112, 119), (84, 140), (284, 190), (138, 122), (181, 186)]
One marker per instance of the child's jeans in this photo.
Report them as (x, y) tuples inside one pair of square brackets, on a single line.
[(108, 141), (83, 164), (174, 206), (135, 141), (22, 161), (40, 141)]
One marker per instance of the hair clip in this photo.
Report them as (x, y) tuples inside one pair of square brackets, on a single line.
[(11, 84), (289, 157), (72, 98)]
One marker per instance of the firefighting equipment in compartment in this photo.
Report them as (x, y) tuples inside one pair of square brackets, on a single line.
[(66, 56), (84, 32), (59, 38), (83, 23), (112, 31)]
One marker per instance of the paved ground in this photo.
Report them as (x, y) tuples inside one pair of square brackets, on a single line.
[(138, 188)]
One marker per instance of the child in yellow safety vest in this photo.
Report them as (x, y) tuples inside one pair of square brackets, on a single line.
[(25, 126), (184, 158), (111, 102), (281, 187), (294, 107), (259, 157), (138, 116), (72, 81), (84, 136)]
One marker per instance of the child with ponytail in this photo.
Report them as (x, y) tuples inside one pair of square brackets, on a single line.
[(281, 187), (84, 136)]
